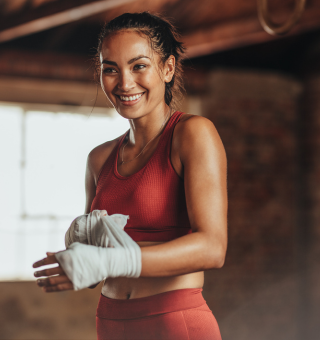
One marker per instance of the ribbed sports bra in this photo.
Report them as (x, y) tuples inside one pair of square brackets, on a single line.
[(153, 197)]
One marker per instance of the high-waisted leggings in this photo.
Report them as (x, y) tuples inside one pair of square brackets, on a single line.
[(181, 314)]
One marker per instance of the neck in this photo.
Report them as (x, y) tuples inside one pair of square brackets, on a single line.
[(143, 129)]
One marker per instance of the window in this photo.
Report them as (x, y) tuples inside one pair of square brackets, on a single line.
[(43, 158)]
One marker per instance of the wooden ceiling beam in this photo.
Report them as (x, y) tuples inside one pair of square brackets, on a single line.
[(54, 19), (240, 33)]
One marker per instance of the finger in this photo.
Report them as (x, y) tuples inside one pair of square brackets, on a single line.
[(49, 272), (58, 288), (53, 281), (47, 260), (49, 253)]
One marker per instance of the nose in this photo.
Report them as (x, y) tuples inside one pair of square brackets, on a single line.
[(126, 81)]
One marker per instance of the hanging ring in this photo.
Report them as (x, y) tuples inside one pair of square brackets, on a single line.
[(278, 29)]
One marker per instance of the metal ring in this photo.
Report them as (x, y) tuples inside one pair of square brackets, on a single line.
[(278, 29)]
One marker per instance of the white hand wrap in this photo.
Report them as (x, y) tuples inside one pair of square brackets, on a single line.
[(95, 230), (89, 263)]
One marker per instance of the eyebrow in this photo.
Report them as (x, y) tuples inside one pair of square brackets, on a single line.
[(109, 62)]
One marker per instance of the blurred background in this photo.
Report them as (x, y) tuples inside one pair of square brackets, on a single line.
[(261, 91)]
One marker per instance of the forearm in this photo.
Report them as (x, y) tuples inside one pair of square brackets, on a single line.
[(190, 253)]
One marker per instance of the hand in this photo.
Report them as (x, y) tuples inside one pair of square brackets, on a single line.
[(57, 283)]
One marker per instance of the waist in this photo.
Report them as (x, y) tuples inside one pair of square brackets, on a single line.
[(123, 288), (166, 302), (156, 235)]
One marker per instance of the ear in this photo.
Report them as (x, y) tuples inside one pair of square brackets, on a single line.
[(169, 68)]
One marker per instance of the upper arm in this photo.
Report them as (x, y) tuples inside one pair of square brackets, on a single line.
[(95, 161), (90, 183), (205, 177)]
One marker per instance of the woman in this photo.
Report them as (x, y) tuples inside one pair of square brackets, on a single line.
[(168, 173)]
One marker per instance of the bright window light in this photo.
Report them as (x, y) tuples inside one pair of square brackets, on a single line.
[(43, 159)]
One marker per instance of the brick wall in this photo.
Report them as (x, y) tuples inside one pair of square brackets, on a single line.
[(255, 295), (312, 238)]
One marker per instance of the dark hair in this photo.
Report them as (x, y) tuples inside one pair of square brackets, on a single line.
[(163, 39)]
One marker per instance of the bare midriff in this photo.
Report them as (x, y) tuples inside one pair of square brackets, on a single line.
[(130, 288)]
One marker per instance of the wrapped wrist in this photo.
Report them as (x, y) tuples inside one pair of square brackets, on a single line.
[(86, 264), (97, 248)]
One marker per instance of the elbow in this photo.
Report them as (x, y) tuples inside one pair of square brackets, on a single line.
[(213, 252), (217, 258), (220, 260)]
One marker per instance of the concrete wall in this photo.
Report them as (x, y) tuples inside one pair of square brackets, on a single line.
[(52, 91), (28, 313)]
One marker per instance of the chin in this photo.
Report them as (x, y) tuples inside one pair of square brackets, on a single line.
[(130, 112)]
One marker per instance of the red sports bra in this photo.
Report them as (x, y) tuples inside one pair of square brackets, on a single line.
[(153, 197)]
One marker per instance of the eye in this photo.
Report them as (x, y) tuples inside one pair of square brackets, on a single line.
[(139, 67), (109, 70)]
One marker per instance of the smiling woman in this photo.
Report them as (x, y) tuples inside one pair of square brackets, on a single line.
[(133, 80), (168, 174)]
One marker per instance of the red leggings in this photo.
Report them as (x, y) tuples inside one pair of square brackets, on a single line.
[(175, 315)]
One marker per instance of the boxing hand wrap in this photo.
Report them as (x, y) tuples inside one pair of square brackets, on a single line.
[(106, 250), (91, 229), (86, 265)]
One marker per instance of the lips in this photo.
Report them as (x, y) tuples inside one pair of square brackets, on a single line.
[(130, 100)]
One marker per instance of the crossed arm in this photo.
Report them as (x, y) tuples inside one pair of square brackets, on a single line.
[(203, 162)]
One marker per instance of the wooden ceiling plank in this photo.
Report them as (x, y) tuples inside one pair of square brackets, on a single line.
[(37, 3), (59, 36), (13, 5), (57, 19), (240, 33)]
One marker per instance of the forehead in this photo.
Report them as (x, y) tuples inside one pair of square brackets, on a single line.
[(125, 45)]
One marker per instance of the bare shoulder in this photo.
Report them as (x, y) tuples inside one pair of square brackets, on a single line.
[(98, 156), (195, 133), (192, 123)]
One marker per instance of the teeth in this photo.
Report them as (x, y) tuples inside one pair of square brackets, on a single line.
[(130, 98)]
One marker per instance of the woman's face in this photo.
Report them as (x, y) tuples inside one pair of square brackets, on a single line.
[(132, 75)]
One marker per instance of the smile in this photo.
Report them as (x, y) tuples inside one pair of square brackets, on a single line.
[(131, 98)]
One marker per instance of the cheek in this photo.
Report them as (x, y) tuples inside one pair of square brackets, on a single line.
[(151, 81), (106, 84)]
